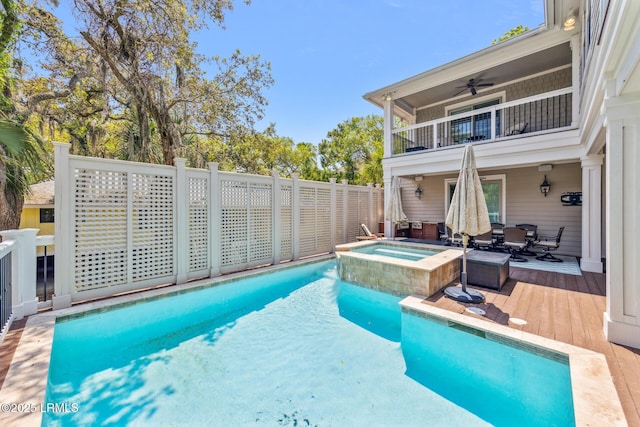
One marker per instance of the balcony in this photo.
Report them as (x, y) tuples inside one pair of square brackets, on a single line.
[(533, 115)]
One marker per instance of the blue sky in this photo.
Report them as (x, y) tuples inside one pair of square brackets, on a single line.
[(325, 54)]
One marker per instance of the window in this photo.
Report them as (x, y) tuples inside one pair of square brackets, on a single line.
[(476, 127), (493, 187), (46, 215)]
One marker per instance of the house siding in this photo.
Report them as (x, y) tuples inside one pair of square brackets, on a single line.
[(558, 79), (525, 203)]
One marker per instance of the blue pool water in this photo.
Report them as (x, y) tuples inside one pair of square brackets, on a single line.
[(292, 348), (394, 251)]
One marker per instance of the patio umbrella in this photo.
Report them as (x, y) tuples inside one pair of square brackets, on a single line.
[(467, 216), (394, 212)]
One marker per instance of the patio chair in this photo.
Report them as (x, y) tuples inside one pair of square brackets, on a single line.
[(532, 237), (484, 241), (518, 129), (515, 240), (368, 235), (442, 233), (454, 239), (550, 243)]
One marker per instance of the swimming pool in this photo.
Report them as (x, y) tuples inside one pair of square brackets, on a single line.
[(295, 347)]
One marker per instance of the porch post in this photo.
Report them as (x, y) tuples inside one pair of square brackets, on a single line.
[(592, 213), (575, 79), (387, 105), (622, 318)]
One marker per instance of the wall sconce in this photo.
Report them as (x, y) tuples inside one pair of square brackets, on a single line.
[(545, 187), (418, 192), (570, 21)]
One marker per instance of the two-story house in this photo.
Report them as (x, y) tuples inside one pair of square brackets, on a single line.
[(558, 105)]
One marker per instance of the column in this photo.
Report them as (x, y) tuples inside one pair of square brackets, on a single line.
[(592, 213), (575, 80), (24, 301), (622, 318), (387, 105)]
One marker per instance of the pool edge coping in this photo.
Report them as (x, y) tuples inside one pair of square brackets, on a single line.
[(28, 373), (595, 398)]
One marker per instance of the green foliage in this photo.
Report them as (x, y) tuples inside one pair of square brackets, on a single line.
[(354, 150), (511, 33)]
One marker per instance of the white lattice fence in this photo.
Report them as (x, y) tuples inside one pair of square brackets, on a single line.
[(122, 226)]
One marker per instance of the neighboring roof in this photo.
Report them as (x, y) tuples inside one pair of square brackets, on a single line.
[(42, 193)]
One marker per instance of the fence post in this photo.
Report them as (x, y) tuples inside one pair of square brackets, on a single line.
[(370, 208), (181, 201), (276, 216), (379, 207), (214, 219), (23, 271), (332, 215), (64, 257), (295, 216), (345, 211)]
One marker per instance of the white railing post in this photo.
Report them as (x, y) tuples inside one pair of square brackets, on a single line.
[(276, 216), (64, 257), (24, 301), (493, 122), (181, 221), (435, 135), (295, 216), (214, 219)]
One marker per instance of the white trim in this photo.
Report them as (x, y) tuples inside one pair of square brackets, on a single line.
[(503, 193)]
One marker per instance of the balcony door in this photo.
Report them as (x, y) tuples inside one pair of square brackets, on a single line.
[(476, 127)]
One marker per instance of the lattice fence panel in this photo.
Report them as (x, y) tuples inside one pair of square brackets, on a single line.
[(100, 229), (363, 207), (233, 223), (323, 220), (152, 226), (353, 215), (339, 213), (198, 224), (260, 222), (307, 231), (286, 250)]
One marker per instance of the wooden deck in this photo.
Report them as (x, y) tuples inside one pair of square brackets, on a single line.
[(566, 308), (558, 306)]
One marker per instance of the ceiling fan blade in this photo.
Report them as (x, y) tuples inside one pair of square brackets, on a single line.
[(473, 90), (484, 84), (463, 90)]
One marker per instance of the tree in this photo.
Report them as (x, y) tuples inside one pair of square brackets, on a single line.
[(145, 47), (347, 151), (23, 156), (511, 33)]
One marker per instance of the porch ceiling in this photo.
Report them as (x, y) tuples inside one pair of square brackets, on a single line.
[(553, 57)]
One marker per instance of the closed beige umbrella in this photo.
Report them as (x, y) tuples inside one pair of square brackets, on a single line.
[(394, 212), (468, 216)]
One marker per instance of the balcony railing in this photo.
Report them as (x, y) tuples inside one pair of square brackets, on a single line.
[(535, 114)]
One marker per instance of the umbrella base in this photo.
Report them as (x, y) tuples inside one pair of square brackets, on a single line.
[(471, 295)]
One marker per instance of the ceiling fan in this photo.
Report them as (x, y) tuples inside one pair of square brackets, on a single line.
[(471, 85)]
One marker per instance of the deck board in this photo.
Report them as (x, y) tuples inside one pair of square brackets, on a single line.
[(566, 308)]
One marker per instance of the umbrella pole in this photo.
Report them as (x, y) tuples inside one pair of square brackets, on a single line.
[(463, 275)]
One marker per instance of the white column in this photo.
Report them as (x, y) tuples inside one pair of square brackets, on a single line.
[(24, 301), (276, 209), (388, 127), (214, 219), (622, 318), (181, 199), (575, 79), (63, 226), (592, 213)]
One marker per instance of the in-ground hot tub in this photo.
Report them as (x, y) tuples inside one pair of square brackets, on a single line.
[(397, 267)]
